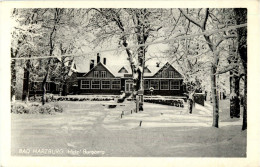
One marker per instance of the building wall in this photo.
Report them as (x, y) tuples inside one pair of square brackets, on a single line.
[(165, 92), (87, 85), (98, 91), (160, 91), (50, 88), (170, 90)]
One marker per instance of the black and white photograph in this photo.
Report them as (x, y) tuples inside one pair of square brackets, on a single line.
[(129, 82)]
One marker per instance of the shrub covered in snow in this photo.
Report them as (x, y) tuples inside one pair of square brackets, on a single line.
[(49, 97), (171, 102), (35, 108), (53, 98), (60, 98), (20, 108)]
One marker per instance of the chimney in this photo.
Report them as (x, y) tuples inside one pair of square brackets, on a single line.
[(91, 64), (157, 64), (104, 61), (98, 58)]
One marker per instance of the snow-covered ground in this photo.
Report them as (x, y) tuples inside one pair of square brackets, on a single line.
[(165, 131)]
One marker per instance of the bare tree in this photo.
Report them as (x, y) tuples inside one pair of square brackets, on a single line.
[(241, 18), (129, 26), (200, 18), (23, 37)]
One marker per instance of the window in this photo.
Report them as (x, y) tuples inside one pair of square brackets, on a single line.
[(95, 84), (171, 74), (164, 74), (48, 85), (38, 86), (154, 84), (85, 84), (103, 74), (57, 87), (164, 85), (31, 86), (96, 74), (105, 84), (115, 84), (146, 85), (175, 85), (128, 85)]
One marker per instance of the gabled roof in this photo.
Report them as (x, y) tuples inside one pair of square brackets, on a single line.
[(167, 65), (123, 69), (115, 69), (153, 69), (97, 66), (146, 70)]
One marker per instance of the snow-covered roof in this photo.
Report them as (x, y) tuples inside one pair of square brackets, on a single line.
[(115, 67)]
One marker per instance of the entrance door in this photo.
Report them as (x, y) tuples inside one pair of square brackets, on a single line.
[(128, 86)]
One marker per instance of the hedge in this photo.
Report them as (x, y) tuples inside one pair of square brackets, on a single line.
[(35, 108), (50, 98), (171, 102)]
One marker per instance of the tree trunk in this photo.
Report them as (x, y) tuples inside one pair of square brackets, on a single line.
[(64, 89), (234, 97), (44, 87), (141, 58), (214, 94), (137, 103), (214, 97), (137, 77), (190, 105), (13, 80), (34, 95), (13, 72), (241, 18), (25, 95), (244, 126)]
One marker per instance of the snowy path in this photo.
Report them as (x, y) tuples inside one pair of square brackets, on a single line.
[(165, 131)]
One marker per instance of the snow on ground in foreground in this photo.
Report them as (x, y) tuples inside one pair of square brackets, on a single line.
[(165, 131)]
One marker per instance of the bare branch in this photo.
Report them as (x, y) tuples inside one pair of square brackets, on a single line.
[(227, 69), (225, 37), (193, 20), (203, 25)]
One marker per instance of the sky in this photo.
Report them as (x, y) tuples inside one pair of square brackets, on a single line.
[(120, 57)]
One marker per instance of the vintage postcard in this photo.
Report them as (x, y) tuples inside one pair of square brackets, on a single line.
[(111, 83)]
